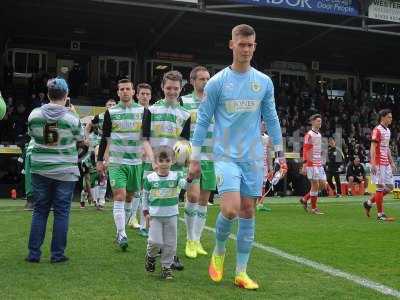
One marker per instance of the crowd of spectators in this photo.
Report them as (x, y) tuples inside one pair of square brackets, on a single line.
[(350, 118)]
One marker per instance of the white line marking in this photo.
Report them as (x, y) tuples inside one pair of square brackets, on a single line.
[(383, 289)]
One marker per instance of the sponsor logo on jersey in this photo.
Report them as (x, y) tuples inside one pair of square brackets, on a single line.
[(238, 106)]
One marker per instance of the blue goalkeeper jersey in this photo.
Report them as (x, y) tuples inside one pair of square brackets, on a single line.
[(237, 101)]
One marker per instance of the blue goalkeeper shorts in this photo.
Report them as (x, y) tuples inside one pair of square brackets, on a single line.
[(243, 177)]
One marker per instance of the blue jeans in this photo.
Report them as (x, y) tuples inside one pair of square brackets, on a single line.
[(49, 193)]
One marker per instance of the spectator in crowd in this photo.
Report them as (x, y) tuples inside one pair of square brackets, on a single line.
[(34, 101), (39, 100), (356, 175), (333, 163), (53, 180), (20, 120)]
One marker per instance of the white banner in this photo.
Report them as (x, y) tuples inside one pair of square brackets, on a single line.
[(387, 10)]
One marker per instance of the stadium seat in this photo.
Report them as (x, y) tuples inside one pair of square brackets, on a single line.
[(344, 188), (358, 189), (396, 193)]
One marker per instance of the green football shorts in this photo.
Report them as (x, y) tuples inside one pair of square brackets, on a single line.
[(207, 180), (126, 177)]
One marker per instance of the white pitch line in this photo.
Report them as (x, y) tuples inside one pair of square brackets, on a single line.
[(383, 289)]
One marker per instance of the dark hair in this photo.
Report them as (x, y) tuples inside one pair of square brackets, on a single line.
[(125, 80), (243, 30), (143, 86), (164, 152), (193, 73), (111, 100), (172, 75), (383, 113), (313, 117)]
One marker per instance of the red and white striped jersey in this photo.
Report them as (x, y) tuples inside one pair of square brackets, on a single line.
[(265, 141), (312, 148), (381, 135)]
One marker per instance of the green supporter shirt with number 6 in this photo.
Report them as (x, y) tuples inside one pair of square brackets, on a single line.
[(55, 131)]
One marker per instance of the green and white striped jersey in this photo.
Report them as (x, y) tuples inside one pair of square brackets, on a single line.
[(161, 194), (93, 141), (191, 103), (167, 123), (30, 147), (126, 146), (54, 151), (100, 127)]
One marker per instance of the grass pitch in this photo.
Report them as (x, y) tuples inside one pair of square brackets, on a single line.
[(343, 238)]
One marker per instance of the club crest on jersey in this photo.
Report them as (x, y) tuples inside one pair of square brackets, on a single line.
[(112, 182), (171, 184), (255, 87), (220, 180)]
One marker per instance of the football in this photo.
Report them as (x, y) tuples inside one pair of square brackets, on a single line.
[(182, 150)]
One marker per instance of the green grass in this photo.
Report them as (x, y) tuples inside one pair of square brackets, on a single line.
[(342, 238)]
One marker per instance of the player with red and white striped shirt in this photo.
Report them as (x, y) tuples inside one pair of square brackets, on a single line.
[(312, 164), (382, 164)]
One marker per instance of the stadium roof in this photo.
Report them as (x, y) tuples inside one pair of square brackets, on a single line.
[(130, 26)]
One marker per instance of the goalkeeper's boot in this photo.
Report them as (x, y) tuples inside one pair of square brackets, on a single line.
[(216, 268), (191, 249), (367, 208), (384, 217), (243, 281), (199, 248)]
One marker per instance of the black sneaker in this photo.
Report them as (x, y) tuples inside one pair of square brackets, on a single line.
[(150, 263), (29, 204), (177, 265), (367, 208), (166, 273), (59, 260), (32, 260)]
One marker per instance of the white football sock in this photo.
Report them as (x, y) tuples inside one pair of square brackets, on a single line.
[(119, 217), (190, 216), (200, 221)]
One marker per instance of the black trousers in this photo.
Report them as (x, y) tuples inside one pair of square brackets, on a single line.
[(335, 175)]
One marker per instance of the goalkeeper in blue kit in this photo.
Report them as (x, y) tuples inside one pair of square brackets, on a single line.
[(237, 97)]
